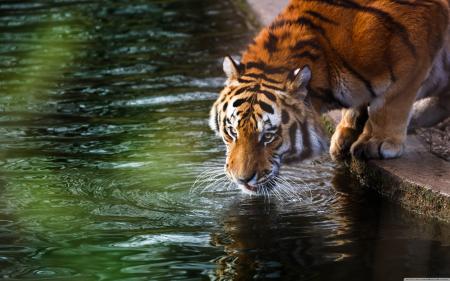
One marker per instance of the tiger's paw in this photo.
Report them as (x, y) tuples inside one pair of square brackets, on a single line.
[(341, 142), (376, 148)]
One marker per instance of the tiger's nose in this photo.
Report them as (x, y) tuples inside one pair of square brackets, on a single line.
[(250, 179)]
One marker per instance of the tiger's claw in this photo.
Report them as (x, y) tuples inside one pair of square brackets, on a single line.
[(341, 142), (375, 148)]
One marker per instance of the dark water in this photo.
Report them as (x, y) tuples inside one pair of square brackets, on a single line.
[(103, 130)]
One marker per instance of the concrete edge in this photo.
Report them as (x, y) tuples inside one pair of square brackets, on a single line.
[(409, 194), (412, 181)]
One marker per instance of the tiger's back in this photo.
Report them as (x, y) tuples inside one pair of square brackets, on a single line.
[(352, 46)]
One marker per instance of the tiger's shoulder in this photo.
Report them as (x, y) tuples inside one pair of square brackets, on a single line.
[(359, 46)]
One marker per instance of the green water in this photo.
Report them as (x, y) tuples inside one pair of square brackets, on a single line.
[(103, 132)]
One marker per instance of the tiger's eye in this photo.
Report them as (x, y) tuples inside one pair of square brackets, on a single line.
[(268, 137)]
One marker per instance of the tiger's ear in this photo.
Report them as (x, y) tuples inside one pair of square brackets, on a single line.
[(231, 69), (298, 81)]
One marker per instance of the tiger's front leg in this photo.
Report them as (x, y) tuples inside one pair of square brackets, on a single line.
[(384, 133), (347, 131)]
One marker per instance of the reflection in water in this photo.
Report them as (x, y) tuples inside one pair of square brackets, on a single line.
[(355, 236), (103, 130)]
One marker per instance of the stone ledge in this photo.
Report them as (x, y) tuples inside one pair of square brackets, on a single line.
[(418, 180)]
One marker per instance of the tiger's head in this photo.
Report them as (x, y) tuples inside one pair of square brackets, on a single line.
[(263, 122)]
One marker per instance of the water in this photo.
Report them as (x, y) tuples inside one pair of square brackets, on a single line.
[(103, 130)]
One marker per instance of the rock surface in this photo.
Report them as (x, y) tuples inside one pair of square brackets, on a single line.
[(437, 139)]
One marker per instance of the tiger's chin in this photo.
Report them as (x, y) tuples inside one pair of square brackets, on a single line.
[(260, 188), (248, 189)]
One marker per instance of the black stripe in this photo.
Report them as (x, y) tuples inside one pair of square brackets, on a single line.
[(241, 80), (321, 17), (258, 65), (306, 141), (266, 107), (224, 126), (306, 54), (327, 97), (225, 105), (279, 23), (273, 87), (307, 22), (303, 43), (238, 102), (276, 70), (271, 43), (293, 137), (390, 23), (299, 21), (268, 95), (360, 77), (263, 77), (284, 117), (240, 91), (264, 67)]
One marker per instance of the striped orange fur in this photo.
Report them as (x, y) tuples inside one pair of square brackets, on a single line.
[(370, 57)]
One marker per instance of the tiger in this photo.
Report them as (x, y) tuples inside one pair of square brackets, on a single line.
[(370, 59)]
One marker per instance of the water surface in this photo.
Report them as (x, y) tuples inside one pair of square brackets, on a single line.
[(103, 131)]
